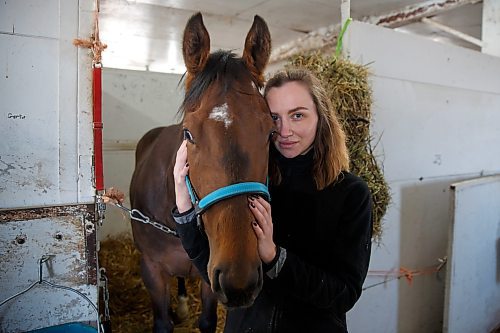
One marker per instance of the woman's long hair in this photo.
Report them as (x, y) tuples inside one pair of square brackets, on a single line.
[(331, 156)]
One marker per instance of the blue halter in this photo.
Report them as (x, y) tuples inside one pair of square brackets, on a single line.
[(200, 206)]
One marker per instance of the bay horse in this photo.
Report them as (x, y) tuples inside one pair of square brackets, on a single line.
[(228, 126)]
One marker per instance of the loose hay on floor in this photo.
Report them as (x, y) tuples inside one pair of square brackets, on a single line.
[(129, 304)]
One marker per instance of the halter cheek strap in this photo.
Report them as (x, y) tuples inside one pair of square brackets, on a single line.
[(200, 206)]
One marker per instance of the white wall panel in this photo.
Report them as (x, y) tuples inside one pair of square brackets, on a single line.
[(133, 103), (85, 147), (68, 84), (30, 17), (472, 302), (431, 130), (414, 237), (29, 155), (436, 117), (46, 105), (409, 57)]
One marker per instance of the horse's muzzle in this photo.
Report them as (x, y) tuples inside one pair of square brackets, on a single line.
[(239, 292)]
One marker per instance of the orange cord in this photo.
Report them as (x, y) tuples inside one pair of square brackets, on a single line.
[(407, 273), (94, 43)]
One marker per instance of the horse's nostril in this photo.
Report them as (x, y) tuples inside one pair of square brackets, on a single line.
[(216, 286), (234, 290)]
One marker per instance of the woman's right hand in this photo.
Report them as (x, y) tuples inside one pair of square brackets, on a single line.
[(181, 169)]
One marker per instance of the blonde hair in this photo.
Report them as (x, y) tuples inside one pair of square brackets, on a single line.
[(331, 156)]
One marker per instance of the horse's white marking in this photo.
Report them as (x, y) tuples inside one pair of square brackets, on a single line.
[(221, 113)]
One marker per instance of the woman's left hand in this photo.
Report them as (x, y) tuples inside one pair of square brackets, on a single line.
[(263, 227)]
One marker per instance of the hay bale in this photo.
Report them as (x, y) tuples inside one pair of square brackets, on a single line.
[(129, 302), (351, 95)]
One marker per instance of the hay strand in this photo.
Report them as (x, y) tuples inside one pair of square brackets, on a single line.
[(129, 304)]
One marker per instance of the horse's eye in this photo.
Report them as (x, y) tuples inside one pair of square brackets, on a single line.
[(188, 136), (271, 135)]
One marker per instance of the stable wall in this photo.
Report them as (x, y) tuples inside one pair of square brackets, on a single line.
[(436, 118), (46, 179), (133, 103)]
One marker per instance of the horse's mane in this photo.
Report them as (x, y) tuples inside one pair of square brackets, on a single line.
[(222, 65)]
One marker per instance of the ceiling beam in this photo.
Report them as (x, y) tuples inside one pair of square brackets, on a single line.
[(453, 32), (326, 37), (414, 13)]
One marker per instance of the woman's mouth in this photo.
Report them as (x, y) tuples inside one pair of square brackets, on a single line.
[(286, 144)]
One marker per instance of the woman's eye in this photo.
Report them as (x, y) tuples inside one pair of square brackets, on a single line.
[(188, 136), (297, 116), (274, 117)]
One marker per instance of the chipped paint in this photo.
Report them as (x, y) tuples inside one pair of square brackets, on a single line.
[(5, 168), (68, 235), (12, 215)]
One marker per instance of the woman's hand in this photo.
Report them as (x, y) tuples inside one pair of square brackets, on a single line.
[(181, 169), (263, 227)]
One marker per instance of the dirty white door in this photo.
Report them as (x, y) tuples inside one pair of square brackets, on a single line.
[(46, 188), (472, 298)]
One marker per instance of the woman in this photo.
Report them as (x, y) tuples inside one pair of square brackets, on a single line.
[(315, 242)]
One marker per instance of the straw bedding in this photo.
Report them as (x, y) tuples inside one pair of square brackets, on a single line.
[(130, 306)]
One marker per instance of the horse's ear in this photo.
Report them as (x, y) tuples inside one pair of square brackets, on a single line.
[(195, 45), (257, 48)]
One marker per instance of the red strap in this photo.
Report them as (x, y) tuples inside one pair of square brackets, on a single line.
[(97, 115)]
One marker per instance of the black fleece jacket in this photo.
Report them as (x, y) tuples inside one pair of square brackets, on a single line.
[(327, 237)]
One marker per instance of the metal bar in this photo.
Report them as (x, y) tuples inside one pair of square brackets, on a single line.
[(345, 11), (453, 32), (345, 14)]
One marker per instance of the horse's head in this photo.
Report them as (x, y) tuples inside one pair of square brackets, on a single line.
[(228, 125)]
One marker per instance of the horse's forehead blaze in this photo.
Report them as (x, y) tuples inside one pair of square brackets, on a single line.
[(221, 113)]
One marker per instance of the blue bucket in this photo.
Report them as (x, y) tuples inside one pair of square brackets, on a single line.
[(67, 328)]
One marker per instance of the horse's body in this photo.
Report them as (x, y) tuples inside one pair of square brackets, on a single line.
[(229, 126), (162, 254)]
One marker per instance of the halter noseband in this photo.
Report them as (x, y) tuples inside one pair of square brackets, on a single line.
[(200, 206)]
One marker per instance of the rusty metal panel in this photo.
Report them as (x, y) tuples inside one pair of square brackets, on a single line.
[(26, 236)]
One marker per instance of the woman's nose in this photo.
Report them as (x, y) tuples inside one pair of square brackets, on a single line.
[(284, 129)]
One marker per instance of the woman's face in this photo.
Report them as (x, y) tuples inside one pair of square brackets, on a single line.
[(295, 118)]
